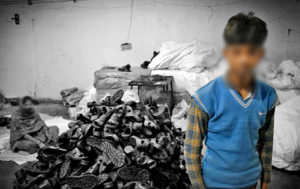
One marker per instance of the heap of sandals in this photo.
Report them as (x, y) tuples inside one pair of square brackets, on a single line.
[(119, 145)]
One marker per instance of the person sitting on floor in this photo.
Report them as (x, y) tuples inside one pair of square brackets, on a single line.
[(28, 131)]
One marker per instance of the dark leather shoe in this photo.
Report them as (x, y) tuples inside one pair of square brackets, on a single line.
[(138, 185), (20, 176), (65, 169), (108, 185), (117, 96), (151, 163), (112, 137), (172, 185), (161, 177), (101, 178), (162, 155), (138, 142), (101, 121), (83, 118), (51, 151), (116, 156), (132, 115), (30, 181), (128, 173), (92, 104), (115, 119), (143, 176), (49, 183), (126, 133), (145, 64), (87, 181)]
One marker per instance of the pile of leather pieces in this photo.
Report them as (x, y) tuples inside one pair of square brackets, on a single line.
[(119, 145), (144, 80)]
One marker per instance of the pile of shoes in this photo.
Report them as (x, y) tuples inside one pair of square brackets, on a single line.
[(118, 145)]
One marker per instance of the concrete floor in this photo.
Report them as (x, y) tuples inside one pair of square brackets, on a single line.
[(280, 179)]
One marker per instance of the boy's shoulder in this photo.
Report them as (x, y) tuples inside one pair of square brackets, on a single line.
[(268, 93), (210, 88), (206, 95), (264, 88)]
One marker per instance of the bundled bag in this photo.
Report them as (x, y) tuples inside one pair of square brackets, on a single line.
[(285, 76), (90, 95), (72, 96), (193, 57), (286, 146)]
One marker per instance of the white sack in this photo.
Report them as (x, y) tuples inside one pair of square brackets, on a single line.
[(179, 119), (90, 95), (194, 57), (287, 94), (288, 76), (131, 95), (195, 81), (286, 147), (182, 109)]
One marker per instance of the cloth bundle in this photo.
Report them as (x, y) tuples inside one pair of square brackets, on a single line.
[(288, 76), (285, 76), (72, 96), (286, 147), (118, 144), (192, 57)]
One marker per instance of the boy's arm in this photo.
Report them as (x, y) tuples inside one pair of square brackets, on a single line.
[(196, 128), (265, 147)]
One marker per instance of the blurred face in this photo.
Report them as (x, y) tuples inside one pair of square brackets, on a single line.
[(28, 105), (243, 58)]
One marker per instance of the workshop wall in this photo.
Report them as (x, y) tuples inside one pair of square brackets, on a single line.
[(60, 45)]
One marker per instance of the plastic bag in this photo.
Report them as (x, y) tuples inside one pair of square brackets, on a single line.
[(89, 95), (179, 117), (182, 108), (131, 95)]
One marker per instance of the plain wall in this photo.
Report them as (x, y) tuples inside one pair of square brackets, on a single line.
[(60, 45)]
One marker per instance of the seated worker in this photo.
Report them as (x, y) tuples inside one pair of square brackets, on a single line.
[(28, 131), (234, 116)]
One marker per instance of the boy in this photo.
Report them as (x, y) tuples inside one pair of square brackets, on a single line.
[(234, 115)]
